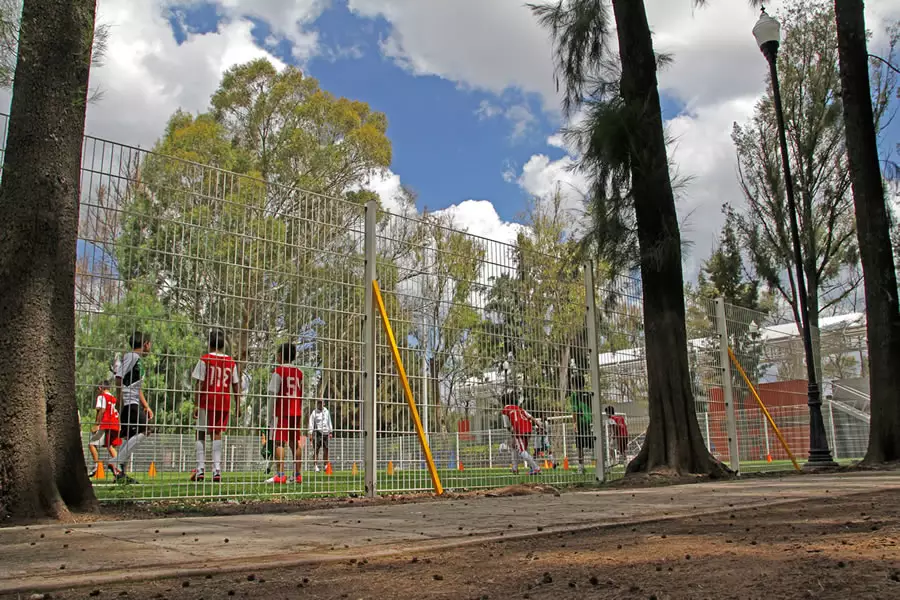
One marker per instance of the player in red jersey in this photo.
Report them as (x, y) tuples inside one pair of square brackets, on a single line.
[(217, 377), (286, 389), (619, 431), (519, 423), (106, 426)]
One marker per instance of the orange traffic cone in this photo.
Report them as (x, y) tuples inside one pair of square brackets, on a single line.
[(355, 470), (328, 470), (546, 464), (769, 458), (151, 472), (390, 470), (460, 467), (566, 464), (101, 472)]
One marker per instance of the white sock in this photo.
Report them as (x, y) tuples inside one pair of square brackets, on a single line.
[(201, 456), (128, 448), (217, 455), (529, 461)]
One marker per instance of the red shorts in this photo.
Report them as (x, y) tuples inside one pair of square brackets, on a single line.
[(212, 421), (520, 442), (288, 428)]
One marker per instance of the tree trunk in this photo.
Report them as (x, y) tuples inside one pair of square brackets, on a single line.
[(873, 230), (674, 443), (39, 197)]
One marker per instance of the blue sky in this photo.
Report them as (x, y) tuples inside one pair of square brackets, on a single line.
[(443, 147)]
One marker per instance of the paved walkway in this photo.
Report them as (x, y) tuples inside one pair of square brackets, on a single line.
[(48, 557)]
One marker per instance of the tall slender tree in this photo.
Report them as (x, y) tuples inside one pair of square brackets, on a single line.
[(624, 150), (42, 468), (873, 229)]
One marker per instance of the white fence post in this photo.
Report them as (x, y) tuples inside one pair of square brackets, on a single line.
[(599, 418), (369, 353), (490, 451), (706, 427), (727, 391), (834, 441)]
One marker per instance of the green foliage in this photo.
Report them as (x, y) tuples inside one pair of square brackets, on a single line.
[(177, 344)]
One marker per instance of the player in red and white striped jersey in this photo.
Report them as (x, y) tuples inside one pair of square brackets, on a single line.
[(216, 376), (519, 423)]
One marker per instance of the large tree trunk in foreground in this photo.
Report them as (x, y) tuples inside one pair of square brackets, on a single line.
[(673, 442), (873, 229), (39, 198)]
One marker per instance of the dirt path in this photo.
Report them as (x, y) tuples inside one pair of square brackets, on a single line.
[(838, 548)]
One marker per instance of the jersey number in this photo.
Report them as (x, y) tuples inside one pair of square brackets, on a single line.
[(218, 378), (292, 387)]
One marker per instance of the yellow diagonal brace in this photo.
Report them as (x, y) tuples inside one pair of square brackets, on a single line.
[(777, 431), (386, 323)]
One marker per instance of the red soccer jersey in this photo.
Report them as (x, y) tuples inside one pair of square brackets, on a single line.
[(216, 374), (289, 394), (518, 419), (109, 420), (621, 427)]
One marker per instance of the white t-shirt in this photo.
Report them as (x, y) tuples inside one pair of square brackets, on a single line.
[(320, 420), (131, 372)]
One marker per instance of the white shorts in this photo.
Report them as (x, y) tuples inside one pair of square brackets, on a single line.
[(98, 438)]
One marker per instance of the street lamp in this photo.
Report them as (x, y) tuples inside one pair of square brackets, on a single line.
[(767, 32)]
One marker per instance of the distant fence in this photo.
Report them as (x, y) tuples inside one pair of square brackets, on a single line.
[(174, 248)]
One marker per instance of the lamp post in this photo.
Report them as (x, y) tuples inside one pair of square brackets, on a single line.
[(767, 32)]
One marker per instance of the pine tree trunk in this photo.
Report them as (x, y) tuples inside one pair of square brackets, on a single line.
[(39, 197), (873, 230), (674, 443)]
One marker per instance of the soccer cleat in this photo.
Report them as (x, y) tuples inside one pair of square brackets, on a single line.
[(197, 475), (122, 478), (534, 472), (93, 473), (115, 470), (297, 478), (317, 468), (217, 477), (278, 479)]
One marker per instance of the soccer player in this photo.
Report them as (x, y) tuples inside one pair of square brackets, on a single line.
[(580, 405), (135, 411), (106, 427), (620, 432), (542, 447), (519, 423), (320, 428), (286, 389), (216, 376)]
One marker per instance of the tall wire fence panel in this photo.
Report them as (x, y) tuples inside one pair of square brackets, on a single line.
[(190, 280), (484, 328), (228, 346)]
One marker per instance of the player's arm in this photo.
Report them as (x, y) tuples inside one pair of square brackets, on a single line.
[(274, 390), (328, 421), (146, 406), (199, 376), (96, 426), (236, 392)]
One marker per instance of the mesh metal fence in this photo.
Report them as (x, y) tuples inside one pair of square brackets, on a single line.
[(218, 271)]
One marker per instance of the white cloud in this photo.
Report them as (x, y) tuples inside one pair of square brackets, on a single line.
[(288, 19), (146, 75), (519, 116), (479, 217)]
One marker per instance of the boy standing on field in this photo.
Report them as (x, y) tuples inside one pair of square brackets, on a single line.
[(135, 411), (106, 426), (286, 389), (217, 377), (320, 428)]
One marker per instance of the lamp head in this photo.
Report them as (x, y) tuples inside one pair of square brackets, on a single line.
[(767, 32)]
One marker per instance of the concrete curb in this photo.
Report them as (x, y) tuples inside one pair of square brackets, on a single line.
[(43, 583)]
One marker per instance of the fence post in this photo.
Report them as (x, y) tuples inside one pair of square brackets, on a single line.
[(458, 456), (490, 451), (727, 391), (369, 353), (834, 441), (706, 427), (594, 358)]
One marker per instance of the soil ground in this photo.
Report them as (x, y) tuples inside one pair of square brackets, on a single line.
[(840, 547)]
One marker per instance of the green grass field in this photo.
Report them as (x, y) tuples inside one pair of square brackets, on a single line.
[(250, 485)]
